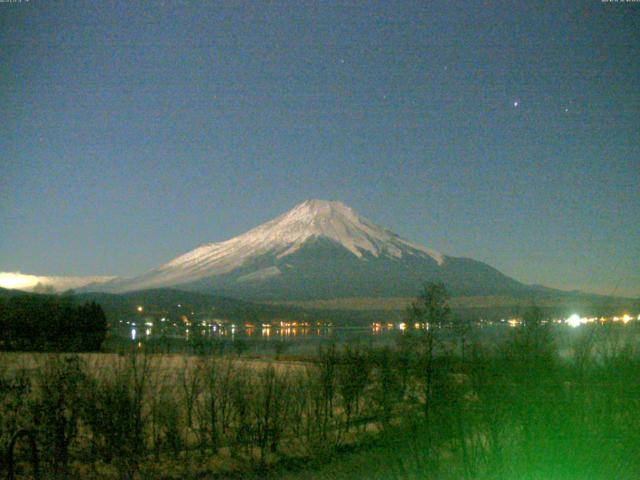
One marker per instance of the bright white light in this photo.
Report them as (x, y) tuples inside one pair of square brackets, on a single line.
[(574, 320), (21, 281), (516, 103), (17, 281), (133, 334)]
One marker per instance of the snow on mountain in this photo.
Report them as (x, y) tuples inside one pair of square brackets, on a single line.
[(29, 283), (282, 236)]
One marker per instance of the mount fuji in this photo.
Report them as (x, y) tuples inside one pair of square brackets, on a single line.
[(319, 250)]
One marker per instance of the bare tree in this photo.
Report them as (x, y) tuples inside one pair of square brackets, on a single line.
[(431, 311)]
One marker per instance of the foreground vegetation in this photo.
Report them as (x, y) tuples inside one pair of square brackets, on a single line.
[(511, 410)]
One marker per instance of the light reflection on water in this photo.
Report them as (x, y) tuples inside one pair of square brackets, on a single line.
[(303, 331), (277, 331), (283, 332)]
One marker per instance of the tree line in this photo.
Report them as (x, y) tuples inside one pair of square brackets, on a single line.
[(50, 323)]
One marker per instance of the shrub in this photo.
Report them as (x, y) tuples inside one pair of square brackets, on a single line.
[(56, 407), (113, 412)]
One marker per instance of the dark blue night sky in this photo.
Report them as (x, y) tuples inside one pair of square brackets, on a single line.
[(508, 132)]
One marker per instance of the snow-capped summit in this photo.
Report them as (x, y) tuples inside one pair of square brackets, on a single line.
[(321, 218), (318, 249), (281, 237)]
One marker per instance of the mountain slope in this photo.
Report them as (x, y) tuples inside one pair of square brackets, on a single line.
[(177, 302), (319, 249)]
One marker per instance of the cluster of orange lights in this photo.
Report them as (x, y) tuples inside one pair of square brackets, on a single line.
[(293, 324), (402, 326)]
